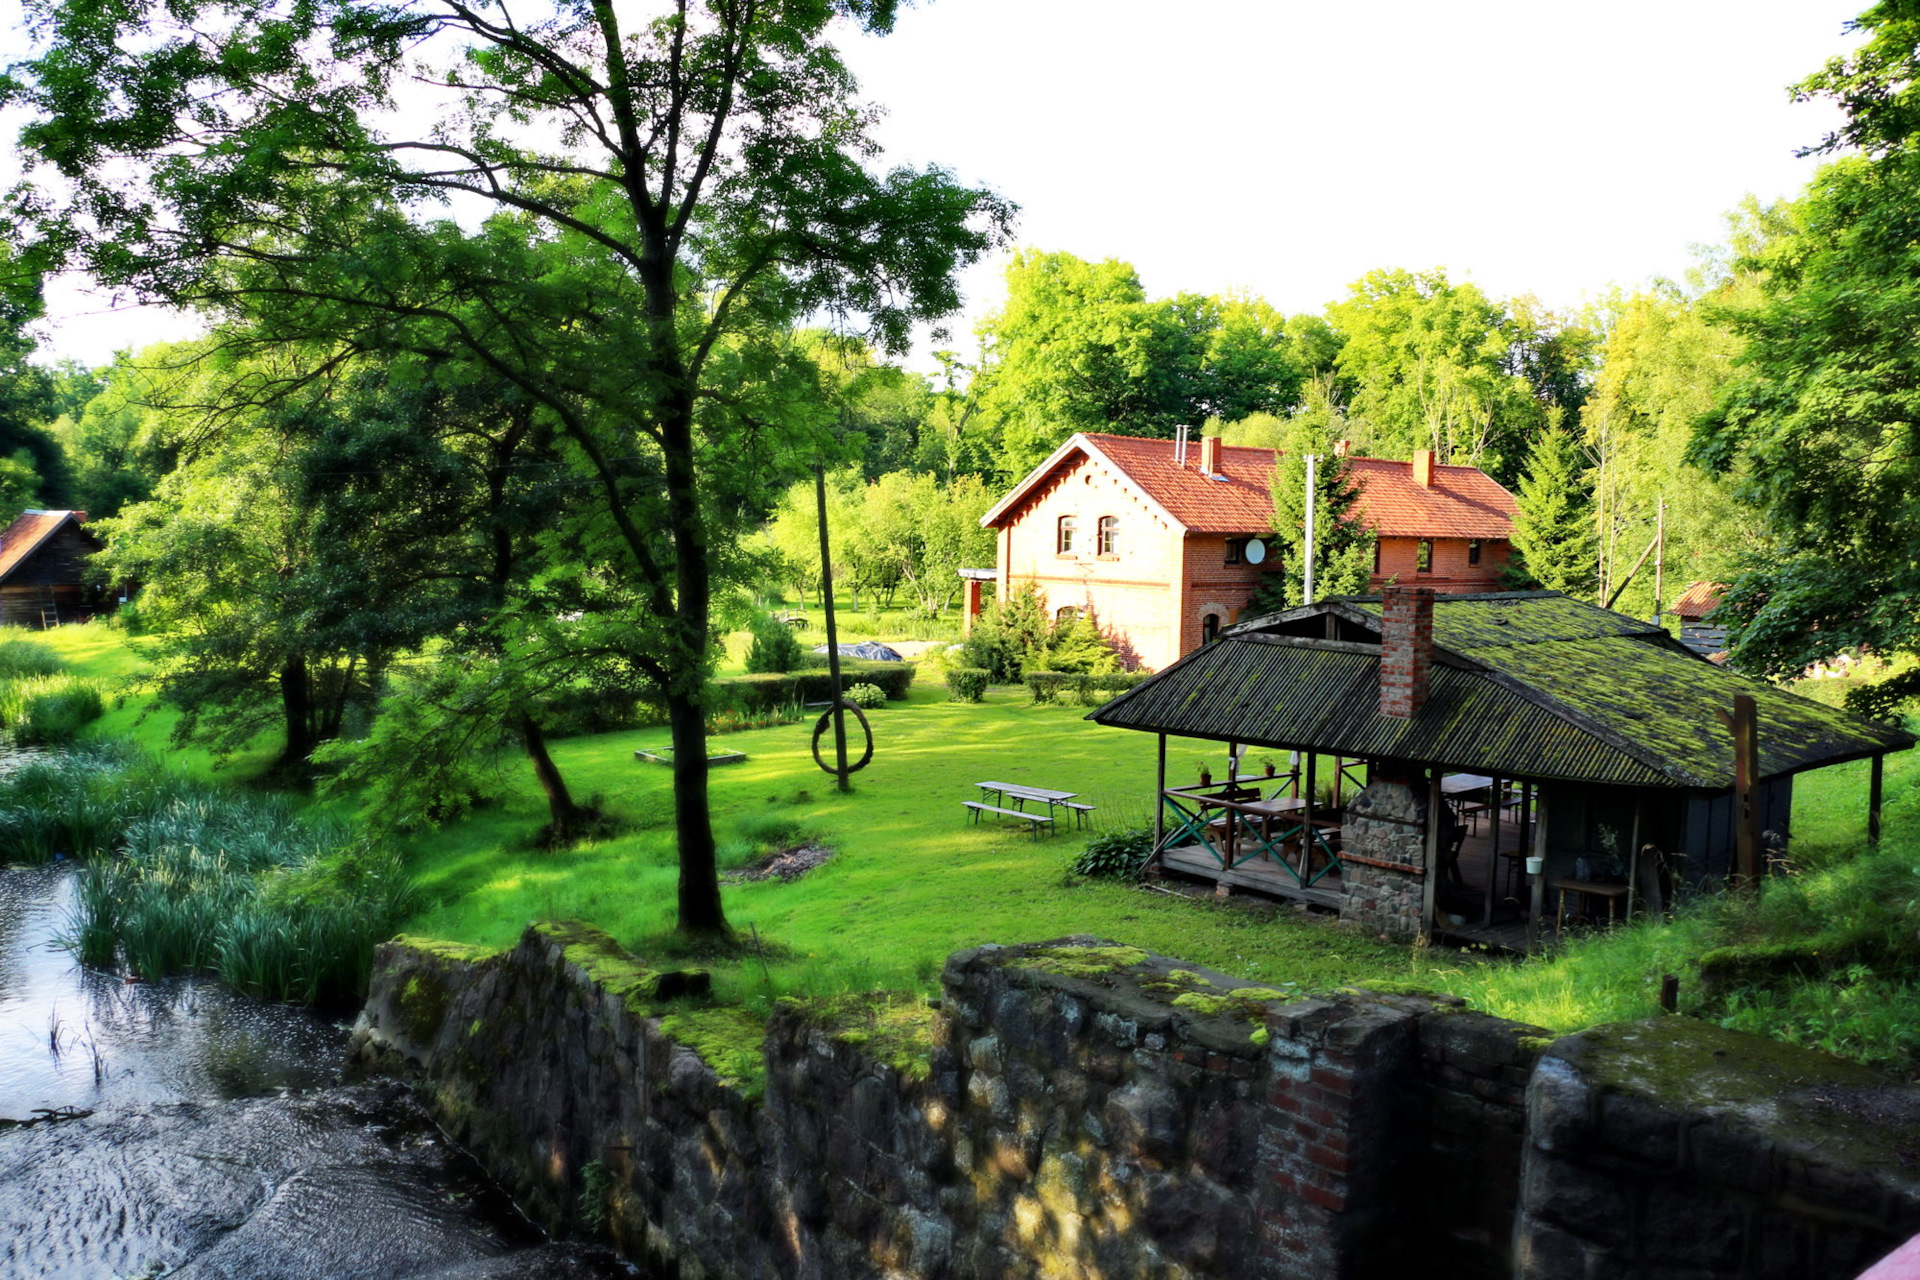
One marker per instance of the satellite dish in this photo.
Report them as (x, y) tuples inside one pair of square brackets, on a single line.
[(1256, 551)]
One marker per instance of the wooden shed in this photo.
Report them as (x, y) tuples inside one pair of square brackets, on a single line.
[(1471, 732), (43, 570)]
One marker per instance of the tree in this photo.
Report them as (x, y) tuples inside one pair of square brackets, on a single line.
[(670, 195), (1553, 527), (1820, 426)]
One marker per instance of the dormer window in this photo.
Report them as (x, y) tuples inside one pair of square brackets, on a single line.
[(1063, 542), (1109, 535)]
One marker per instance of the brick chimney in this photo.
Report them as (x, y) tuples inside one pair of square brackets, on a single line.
[(1423, 468), (1210, 455), (1406, 649)]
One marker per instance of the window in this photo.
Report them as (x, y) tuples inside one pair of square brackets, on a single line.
[(1424, 561), (1236, 548), (1473, 552), (1064, 542), (1209, 628), (1109, 535), (1376, 555), (1065, 614)]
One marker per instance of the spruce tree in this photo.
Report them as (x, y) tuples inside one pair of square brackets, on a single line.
[(1553, 529)]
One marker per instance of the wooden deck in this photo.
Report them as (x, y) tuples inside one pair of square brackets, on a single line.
[(1505, 929)]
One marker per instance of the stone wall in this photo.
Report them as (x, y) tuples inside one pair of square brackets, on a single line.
[(1084, 1109), (1674, 1148), (1383, 835)]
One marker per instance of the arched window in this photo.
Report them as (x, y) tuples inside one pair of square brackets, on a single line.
[(1066, 613), (1064, 541), (1209, 628), (1109, 535)]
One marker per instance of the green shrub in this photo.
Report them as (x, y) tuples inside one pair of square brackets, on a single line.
[(57, 716), (771, 689), (1114, 854), (1045, 686), (967, 684), (27, 658), (867, 697), (581, 710), (774, 647), (1094, 691)]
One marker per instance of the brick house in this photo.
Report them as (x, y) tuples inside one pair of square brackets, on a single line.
[(1163, 554)]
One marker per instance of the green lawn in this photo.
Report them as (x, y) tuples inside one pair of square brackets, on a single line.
[(912, 881)]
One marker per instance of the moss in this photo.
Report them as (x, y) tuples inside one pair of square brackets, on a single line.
[(1392, 988), (1082, 962), (890, 1027), (728, 1039), (458, 952), (642, 988), (422, 1004), (1247, 1003)]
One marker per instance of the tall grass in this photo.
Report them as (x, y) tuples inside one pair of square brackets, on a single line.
[(184, 876), (40, 703)]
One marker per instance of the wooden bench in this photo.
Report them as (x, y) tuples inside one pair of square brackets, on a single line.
[(1037, 821), (1080, 811)]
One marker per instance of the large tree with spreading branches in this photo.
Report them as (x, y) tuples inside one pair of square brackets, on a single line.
[(620, 213)]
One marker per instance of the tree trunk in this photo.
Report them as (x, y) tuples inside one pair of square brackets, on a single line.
[(296, 701), (700, 909), (562, 813)]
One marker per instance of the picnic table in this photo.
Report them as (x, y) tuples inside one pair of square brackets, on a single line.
[(1018, 795)]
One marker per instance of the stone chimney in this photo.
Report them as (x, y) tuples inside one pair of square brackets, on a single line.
[(1210, 455), (1406, 649), (1423, 468), (1341, 448)]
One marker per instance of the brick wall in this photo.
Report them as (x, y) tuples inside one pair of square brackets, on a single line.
[(1399, 559)]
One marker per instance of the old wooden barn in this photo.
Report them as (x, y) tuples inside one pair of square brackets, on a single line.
[(43, 570), (1458, 737)]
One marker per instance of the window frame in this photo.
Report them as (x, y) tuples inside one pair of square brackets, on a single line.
[(1065, 530), (1473, 551), (1107, 536), (1423, 556)]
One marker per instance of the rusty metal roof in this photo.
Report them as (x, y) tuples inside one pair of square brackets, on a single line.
[(1524, 684)]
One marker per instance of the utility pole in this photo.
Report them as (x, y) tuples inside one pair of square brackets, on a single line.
[(833, 635), (1306, 589)]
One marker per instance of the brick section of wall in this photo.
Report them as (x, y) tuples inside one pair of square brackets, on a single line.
[(1674, 1148), (1399, 561), (1406, 650)]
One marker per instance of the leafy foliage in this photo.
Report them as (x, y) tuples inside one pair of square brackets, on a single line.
[(867, 697), (1553, 527), (774, 647), (968, 684), (1114, 854)]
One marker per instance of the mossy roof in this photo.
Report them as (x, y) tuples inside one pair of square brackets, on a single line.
[(1524, 684)]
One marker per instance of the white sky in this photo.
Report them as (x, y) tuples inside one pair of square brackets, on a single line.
[(1285, 148)]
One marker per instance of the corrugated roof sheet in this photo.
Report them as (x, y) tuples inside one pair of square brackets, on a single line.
[(1464, 502), (1526, 684), (25, 535)]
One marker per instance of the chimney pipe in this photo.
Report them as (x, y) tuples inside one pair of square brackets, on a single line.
[(1210, 455), (1423, 468), (1406, 650)]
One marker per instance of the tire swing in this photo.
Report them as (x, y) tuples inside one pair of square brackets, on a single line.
[(826, 722)]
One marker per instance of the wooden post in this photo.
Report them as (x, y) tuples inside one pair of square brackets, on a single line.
[(1746, 784), (1160, 803), (833, 638), (1429, 892), (1633, 857), (1875, 784), (1539, 882), (1493, 851)]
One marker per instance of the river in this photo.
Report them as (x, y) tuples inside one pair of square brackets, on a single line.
[(178, 1129)]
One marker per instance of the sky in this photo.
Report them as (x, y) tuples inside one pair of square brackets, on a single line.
[(1284, 149)]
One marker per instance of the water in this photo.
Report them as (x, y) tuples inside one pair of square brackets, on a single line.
[(177, 1129)]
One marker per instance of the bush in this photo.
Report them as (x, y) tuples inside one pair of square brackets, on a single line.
[(1094, 691), (1114, 855), (967, 684), (26, 658), (867, 697), (767, 690), (774, 647), (1045, 686), (58, 715), (580, 710)]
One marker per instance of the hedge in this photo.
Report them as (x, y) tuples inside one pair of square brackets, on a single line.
[(1087, 691), (771, 689), (967, 684)]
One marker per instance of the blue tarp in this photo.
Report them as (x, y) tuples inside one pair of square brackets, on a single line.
[(871, 650)]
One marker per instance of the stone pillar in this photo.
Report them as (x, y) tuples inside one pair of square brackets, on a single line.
[(1383, 854)]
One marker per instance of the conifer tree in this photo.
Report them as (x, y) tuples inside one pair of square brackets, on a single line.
[(1553, 529)]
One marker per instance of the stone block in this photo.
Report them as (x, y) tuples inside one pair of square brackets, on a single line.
[(1559, 1107), (1641, 1130), (1730, 1158), (1585, 1201), (1148, 1118)]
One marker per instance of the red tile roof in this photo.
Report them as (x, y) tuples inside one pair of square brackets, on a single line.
[(1463, 503), (25, 534), (1698, 600)]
